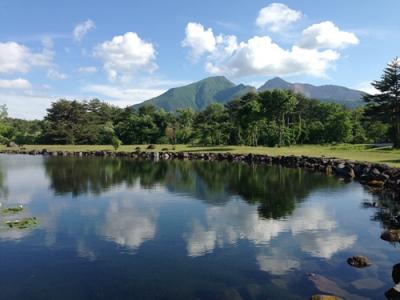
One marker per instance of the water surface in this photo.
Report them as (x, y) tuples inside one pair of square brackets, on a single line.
[(125, 229)]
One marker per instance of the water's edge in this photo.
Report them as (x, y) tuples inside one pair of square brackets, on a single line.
[(380, 178)]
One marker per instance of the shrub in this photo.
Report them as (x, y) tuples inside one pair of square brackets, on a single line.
[(116, 142)]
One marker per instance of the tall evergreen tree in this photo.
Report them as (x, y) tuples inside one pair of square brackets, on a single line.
[(386, 104)]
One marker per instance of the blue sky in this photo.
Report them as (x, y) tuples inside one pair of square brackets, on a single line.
[(125, 52)]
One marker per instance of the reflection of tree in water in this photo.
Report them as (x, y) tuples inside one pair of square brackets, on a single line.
[(275, 189), (3, 185), (386, 210)]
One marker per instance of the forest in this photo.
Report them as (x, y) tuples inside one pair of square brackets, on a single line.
[(270, 118)]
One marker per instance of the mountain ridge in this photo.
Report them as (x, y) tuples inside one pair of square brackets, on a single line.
[(328, 92), (218, 89)]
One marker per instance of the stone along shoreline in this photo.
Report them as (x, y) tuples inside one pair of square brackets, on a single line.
[(379, 177)]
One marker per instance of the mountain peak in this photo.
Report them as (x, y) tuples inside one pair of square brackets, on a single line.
[(332, 93), (198, 95), (276, 83)]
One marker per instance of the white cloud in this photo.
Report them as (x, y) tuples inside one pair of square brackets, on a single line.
[(120, 95), (87, 70), (199, 40), (126, 54), (16, 58), (18, 83), (276, 17), (82, 29), (47, 42), (314, 55), (367, 87), (56, 75), (326, 35), (261, 56)]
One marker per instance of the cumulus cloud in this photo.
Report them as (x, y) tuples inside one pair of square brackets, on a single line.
[(326, 35), (125, 55), (199, 40), (18, 83), (16, 58), (276, 17), (82, 29), (260, 55)]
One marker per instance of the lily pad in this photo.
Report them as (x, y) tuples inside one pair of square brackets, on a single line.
[(12, 210), (23, 223)]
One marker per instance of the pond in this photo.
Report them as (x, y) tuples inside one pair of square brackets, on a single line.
[(125, 229)]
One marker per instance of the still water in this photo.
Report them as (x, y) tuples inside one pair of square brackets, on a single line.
[(124, 229)]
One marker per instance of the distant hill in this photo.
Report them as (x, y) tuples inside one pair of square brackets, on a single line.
[(199, 95), (331, 93), (218, 89)]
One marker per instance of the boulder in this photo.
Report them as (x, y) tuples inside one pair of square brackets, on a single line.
[(11, 144), (325, 297), (392, 235), (358, 261)]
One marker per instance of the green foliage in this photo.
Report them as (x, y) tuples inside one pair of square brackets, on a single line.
[(197, 96), (272, 118), (116, 142), (385, 105)]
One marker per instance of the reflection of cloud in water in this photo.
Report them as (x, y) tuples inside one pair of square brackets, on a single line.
[(201, 241), (128, 224), (325, 246), (277, 266), (312, 226), (85, 252)]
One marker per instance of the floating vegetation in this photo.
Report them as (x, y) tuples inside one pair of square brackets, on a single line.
[(23, 223), (12, 210)]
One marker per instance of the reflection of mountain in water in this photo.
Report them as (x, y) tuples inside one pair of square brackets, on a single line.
[(275, 189)]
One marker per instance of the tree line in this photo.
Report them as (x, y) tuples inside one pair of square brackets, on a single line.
[(271, 118)]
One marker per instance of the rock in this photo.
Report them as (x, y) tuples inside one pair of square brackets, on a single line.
[(374, 171), (358, 261), (326, 285), (392, 294), (376, 183), (151, 147), (367, 284), (11, 144), (392, 235), (325, 297)]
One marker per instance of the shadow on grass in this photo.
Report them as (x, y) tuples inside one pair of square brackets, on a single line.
[(210, 149), (393, 161)]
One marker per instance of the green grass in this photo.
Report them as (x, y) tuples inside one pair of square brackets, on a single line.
[(344, 151)]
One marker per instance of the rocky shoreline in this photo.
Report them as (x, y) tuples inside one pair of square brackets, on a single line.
[(379, 177)]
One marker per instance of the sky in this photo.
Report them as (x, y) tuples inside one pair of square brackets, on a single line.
[(124, 52)]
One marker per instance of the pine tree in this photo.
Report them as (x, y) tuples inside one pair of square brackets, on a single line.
[(385, 105)]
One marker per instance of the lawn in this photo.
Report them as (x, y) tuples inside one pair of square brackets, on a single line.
[(345, 151)]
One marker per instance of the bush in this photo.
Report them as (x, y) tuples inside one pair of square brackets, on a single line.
[(116, 142), (164, 149)]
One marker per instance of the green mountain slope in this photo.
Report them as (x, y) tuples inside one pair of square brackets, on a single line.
[(199, 95), (330, 93)]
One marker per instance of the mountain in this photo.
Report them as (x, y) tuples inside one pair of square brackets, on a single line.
[(330, 93), (199, 95)]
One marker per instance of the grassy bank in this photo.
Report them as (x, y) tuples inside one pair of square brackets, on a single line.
[(354, 152)]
